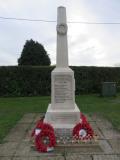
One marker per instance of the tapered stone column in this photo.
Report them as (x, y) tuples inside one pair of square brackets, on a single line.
[(62, 46), (62, 113)]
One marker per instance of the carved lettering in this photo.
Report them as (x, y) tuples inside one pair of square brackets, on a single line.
[(63, 88)]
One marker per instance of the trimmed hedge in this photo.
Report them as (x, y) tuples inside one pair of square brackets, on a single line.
[(89, 79), (34, 81), (24, 81)]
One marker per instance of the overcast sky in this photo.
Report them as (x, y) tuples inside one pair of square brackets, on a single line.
[(89, 44)]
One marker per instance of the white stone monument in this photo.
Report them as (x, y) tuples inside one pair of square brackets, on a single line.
[(62, 113)]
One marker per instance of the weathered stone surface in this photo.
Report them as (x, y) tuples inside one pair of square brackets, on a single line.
[(17, 133), (106, 147), (29, 150), (51, 158), (28, 118), (38, 117), (107, 129), (5, 158), (105, 157), (111, 133), (115, 143), (39, 158), (28, 133), (25, 158), (19, 146), (97, 130), (101, 121), (82, 148), (8, 148), (78, 157), (104, 124)]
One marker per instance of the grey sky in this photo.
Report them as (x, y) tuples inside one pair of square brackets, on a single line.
[(89, 44)]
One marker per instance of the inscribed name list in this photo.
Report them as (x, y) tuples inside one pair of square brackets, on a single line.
[(63, 88)]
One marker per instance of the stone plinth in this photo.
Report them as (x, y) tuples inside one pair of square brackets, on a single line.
[(62, 120), (63, 112)]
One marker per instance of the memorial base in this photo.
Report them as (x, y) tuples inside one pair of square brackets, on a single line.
[(63, 121), (81, 147)]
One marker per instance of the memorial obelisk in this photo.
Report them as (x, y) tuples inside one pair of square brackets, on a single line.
[(62, 113)]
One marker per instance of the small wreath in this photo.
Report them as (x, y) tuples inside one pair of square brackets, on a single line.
[(83, 131), (45, 141)]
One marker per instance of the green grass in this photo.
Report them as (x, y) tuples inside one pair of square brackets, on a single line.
[(12, 109)]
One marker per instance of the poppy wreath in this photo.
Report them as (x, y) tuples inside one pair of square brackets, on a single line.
[(83, 118), (44, 137), (83, 130), (45, 141), (41, 126)]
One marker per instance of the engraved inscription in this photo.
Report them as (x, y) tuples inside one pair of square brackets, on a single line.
[(62, 88), (64, 118)]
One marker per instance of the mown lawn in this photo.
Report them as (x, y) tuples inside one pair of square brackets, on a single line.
[(12, 109)]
